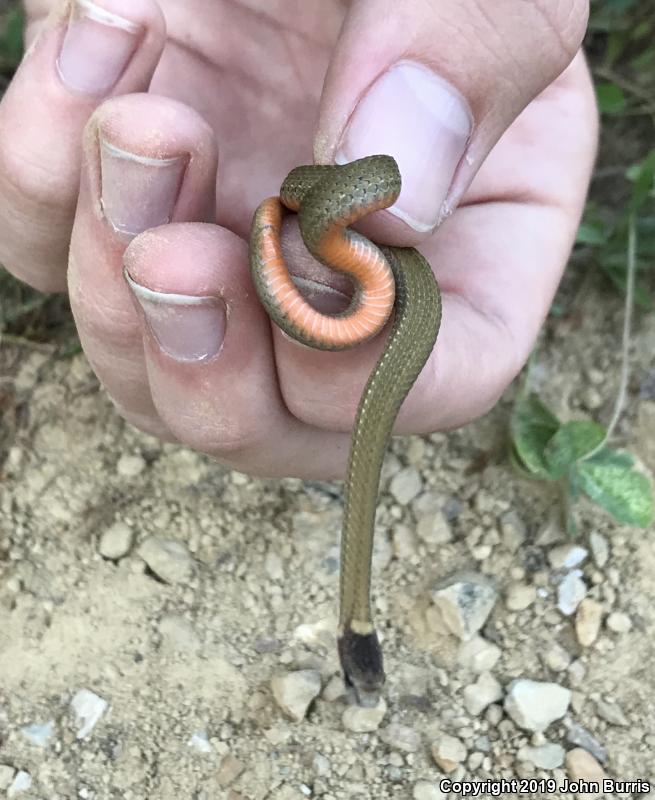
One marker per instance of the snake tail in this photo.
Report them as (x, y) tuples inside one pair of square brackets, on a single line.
[(360, 655)]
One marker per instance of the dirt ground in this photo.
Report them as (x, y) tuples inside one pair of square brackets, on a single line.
[(183, 648)]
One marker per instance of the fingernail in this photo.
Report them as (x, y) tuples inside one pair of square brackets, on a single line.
[(97, 47), (138, 192), (186, 327), (424, 123)]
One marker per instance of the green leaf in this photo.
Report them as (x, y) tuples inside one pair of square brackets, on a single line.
[(590, 234), (612, 457), (571, 442), (532, 425), (623, 492), (610, 97)]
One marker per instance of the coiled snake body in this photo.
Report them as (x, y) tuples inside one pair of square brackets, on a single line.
[(398, 279)]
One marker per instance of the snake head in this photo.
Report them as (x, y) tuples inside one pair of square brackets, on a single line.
[(361, 661)]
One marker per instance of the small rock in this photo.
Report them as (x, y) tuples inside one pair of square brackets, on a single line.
[(448, 752), (512, 531), (519, 596), (566, 556), (612, 713), (600, 549), (7, 773), (130, 466), (334, 689), (274, 566), (88, 708), (169, 559), (571, 592), (116, 541), (557, 658), (406, 485), (39, 734), (485, 691), (295, 691), (21, 783), (362, 719), (199, 741), (229, 770), (404, 545), (545, 756), (478, 655), (178, 634), (317, 634), (581, 765), (534, 705), (424, 790), (619, 622), (401, 737), (434, 529), (321, 765), (587, 621), (465, 601), (581, 737)]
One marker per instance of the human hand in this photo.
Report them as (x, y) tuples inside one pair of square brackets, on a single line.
[(196, 359)]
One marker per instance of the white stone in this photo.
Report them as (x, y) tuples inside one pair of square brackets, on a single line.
[(448, 752), (485, 691), (571, 592), (600, 549), (6, 775), (465, 602), (274, 566), (478, 655), (21, 783), (587, 621), (88, 708), (567, 556), (295, 691), (424, 790), (200, 742), (534, 705), (519, 596), (130, 466), (557, 658), (619, 622), (116, 541), (39, 734), (362, 719), (169, 559), (406, 485), (545, 756), (434, 529)]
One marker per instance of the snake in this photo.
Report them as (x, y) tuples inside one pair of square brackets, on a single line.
[(389, 282)]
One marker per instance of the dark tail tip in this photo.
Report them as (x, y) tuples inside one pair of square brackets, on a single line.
[(361, 661)]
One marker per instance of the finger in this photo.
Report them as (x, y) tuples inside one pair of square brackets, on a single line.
[(85, 51), (209, 356), (148, 160), (498, 259), (435, 84)]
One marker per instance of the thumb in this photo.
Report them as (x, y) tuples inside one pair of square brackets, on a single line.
[(435, 83)]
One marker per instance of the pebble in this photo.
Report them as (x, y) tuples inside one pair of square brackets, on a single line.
[(130, 466), (6, 775), (295, 691), (424, 790), (21, 783), (274, 566), (581, 765), (581, 737), (116, 541), (534, 705), (406, 485), (478, 655), (557, 658), (321, 765), (334, 689), (403, 542), (229, 770), (520, 596), (512, 531), (465, 602), (448, 752), (88, 708), (434, 529), (619, 622), (39, 734), (600, 549), (567, 556), (612, 713), (401, 737), (571, 592), (361, 719), (199, 741), (545, 756), (169, 559), (587, 621), (485, 691)]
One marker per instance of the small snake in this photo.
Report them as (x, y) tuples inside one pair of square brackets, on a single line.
[(328, 199)]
